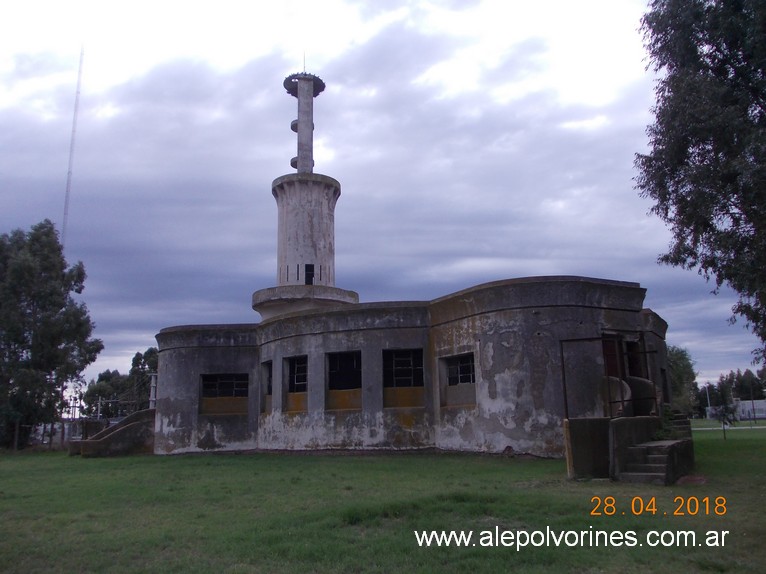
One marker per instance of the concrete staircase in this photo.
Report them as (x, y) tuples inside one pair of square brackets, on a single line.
[(647, 463), (680, 426), (659, 462), (132, 435)]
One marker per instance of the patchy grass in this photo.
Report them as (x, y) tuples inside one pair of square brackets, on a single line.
[(348, 514), (699, 424)]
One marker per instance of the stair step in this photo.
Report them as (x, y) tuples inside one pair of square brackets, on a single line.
[(636, 453), (652, 468), (656, 458), (643, 477)]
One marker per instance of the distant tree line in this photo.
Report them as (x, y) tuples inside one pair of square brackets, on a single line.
[(113, 394), (692, 399), (740, 385)]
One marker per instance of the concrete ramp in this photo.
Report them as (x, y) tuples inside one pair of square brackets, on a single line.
[(132, 435)]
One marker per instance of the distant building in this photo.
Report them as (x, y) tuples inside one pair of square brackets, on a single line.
[(496, 367), (744, 410)]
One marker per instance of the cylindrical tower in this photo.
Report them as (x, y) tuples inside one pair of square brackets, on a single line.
[(306, 222), (306, 229)]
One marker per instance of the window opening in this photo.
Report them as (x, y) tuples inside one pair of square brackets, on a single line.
[(460, 369), (403, 368), (308, 274), (613, 359), (344, 370), (225, 385), (297, 374)]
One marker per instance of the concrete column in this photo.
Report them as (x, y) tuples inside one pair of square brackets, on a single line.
[(278, 384), (305, 125), (372, 381), (317, 382)]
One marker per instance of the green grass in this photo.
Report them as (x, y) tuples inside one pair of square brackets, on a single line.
[(330, 513), (714, 424)]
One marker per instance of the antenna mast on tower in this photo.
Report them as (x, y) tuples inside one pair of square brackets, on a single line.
[(71, 151)]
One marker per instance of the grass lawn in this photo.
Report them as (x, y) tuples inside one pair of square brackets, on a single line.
[(331, 513), (714, 424)]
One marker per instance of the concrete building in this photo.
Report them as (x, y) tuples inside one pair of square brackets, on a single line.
[(496, 367)]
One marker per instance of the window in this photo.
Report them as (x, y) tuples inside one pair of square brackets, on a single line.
[(224, 394), (636, 359), (460, 369), (224, 385), (309, 274), (403, 368), (297, 374), (344, 370)]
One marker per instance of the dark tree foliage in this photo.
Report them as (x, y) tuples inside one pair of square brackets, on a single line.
[(706, 168), (101, 398), (45, 335), (682, 377), (740, 385), (744, 386), (113, 394)]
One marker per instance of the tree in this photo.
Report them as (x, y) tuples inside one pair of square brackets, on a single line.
[(706, 167), (102, 395), (726, 411), (745, 385), (707, 396), (682, 379), (45, 335), (143, 366), (120, 395)]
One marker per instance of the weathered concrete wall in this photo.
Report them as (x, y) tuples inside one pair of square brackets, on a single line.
[(369, 328), (187, 353), (537, 352), (587, 447), (515, 330), (306, 227)]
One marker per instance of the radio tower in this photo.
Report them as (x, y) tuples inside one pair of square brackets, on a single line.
[(71, 152)]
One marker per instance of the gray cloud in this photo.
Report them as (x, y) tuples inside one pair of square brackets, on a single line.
[(172, 212)]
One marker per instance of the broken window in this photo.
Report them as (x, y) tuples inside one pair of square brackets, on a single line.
[(224, 394), (460, 369), (297, 374), (344, 370), (403, 368), (308, 274), (225, 385)]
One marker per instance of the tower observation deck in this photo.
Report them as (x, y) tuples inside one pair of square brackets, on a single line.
[(306, 222)]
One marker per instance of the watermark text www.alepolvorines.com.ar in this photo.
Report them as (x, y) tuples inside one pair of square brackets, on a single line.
[(523, 539)]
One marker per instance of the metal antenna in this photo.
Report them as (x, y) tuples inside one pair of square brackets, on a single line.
[(71, 151)]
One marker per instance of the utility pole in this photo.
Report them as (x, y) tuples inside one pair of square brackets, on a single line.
[(71, 152)]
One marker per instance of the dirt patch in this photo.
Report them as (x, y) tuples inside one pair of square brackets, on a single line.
[(692, 479)]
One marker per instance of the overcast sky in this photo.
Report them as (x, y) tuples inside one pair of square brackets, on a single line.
[(473, 140)]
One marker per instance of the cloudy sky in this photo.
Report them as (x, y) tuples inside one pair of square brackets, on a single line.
[(474, 141)]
